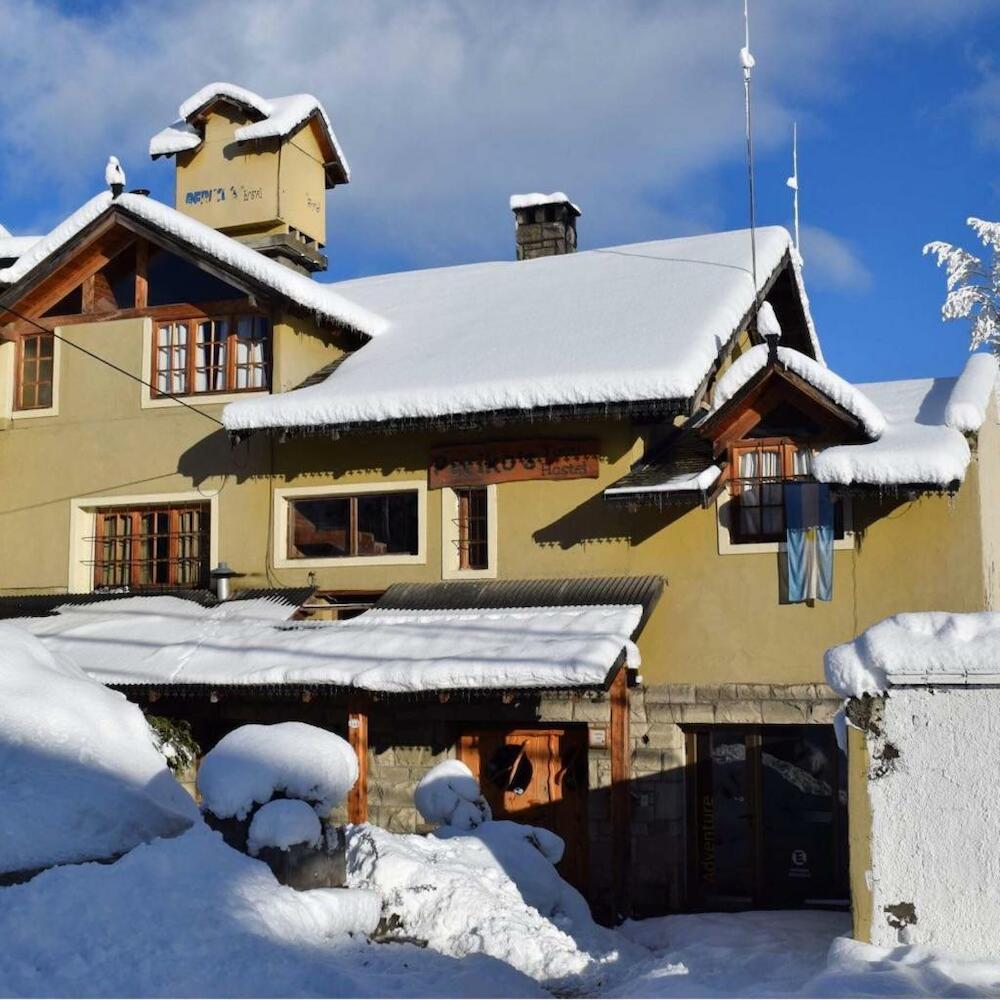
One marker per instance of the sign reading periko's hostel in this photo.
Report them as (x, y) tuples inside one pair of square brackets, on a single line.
[(510, 461)]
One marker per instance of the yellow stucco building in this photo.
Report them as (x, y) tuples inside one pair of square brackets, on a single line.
[(602, 427)]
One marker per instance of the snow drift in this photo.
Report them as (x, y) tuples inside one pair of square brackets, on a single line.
[(80, 777)]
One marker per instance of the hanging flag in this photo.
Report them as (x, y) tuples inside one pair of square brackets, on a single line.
[(809, 538)]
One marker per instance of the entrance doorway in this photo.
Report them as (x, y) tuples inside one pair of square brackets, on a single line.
[(767, 817), (536, 776)]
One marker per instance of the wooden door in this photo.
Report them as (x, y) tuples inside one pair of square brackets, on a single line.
[(536, 776)]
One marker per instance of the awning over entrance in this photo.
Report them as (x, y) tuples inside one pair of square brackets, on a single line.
[(165, 642)]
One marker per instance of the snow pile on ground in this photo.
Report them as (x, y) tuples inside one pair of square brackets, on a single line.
[(80, 777), (928, 647), (252, 764), (166, 640), (787, 953), (449, 794), (321, 300), (192, 917), (841, 392), (966, 409), (284, 823), (462, 896), (916, 448), (535, 333)]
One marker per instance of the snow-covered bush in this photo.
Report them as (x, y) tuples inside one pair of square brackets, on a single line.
[(449, 794), (80, 778), (253, 764), (487, 891), (973, 286), (284, 823)]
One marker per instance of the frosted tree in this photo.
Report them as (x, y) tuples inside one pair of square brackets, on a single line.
[(973, 286)]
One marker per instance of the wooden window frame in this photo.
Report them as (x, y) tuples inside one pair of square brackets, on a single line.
[(466, 541), (191, 322), (136, 535), (352, 552), (20, 405), (786, 448)]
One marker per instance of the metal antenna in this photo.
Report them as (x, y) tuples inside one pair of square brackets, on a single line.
[(793, 183), (747, 61)]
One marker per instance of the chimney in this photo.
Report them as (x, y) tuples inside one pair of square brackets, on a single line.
[(545, 224)]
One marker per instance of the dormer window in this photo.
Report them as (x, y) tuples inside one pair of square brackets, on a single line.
[(211, 354), (760, 471)]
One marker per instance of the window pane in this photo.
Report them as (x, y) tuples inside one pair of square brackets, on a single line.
[(43, 394), (387, 523), (749, 521), (473, 530), (320, 528), (773, 522), (30, 347)]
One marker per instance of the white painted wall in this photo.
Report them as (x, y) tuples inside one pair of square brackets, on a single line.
[(936, 818)]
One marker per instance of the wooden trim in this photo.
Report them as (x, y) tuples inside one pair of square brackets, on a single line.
[(620, 802), (141, 274), (357, 736)]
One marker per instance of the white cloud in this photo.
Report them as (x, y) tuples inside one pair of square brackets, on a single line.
[(832, 263), (443, 107)]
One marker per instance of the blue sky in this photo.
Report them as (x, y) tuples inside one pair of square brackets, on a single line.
[(633, 107)]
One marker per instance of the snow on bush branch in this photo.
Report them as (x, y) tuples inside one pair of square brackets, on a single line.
[(973, 287)]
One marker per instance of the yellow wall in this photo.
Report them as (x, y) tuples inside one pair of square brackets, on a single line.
[(859, 819), (720, 618), (253, 188)]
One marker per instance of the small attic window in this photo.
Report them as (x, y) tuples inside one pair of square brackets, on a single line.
[(173, 279)]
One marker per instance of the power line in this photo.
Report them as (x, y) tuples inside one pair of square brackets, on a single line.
[(110, 364)]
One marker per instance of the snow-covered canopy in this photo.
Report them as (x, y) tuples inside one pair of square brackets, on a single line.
[(80, 778), (252, 764), (828, 382), (321, 300), (167, 641), (622, 325), (924, 440), (929, 647), (277, 117), (536, 198), (693, 481)]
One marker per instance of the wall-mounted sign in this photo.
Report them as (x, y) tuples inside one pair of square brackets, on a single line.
[(511, 461)]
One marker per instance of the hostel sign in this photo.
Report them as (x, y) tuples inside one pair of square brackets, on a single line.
[(512, 461)]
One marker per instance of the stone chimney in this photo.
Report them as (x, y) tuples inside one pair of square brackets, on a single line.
[(545, 224)]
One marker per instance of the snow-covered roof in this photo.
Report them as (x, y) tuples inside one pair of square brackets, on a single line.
[(536, 198), (279, 117), (919, 445), (12, 247), (929, 647), (686, 483), (324, 301), (621, 325), (169, 641), (827, 381)]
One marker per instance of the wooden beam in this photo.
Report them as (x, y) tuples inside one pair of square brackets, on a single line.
[(621, 819), (141, 274), (357, 735)]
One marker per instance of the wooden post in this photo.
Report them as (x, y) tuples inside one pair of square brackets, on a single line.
[(621, 826), (141, 272), (357, 735)]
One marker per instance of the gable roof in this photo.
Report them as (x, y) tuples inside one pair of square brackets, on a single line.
[(922, 447), (637, 326), (232, 259), (273, 117)]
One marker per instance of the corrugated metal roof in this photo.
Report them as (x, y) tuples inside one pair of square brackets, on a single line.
[(574, 592), (42, 605)]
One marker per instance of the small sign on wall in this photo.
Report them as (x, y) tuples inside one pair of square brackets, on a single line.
[(512, 461), (598, 736)]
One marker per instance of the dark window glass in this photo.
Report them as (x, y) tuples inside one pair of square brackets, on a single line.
[(370, 524), (173, 280)]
